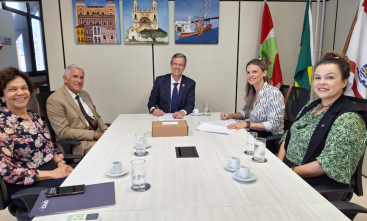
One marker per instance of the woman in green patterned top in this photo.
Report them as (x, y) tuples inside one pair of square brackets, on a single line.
[(328, 137)]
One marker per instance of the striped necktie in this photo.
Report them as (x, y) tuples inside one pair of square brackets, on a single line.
[(93, 124)]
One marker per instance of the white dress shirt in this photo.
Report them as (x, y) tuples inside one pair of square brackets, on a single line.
[(172, 87), (86, 108)]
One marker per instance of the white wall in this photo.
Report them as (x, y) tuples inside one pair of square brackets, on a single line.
[(346, 11), (120, 77), (51, 22), (8, 54)]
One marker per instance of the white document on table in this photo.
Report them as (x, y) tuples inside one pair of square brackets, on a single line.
[(224, 123), (213, 128), (167, 117)]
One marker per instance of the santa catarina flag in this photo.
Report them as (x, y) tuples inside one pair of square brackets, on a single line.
[(303, 73), (357, 54), (268, 47)]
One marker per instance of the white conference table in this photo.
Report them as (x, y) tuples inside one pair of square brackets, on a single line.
[(195, 188)]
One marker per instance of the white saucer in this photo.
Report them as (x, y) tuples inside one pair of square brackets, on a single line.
[(146, 145), (124, 170), (228, 167), (199, 114), (237, 176)]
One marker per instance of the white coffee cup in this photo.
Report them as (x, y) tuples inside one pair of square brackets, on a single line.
[(245, 171), (116, 167), (195, 111), (234, 162)]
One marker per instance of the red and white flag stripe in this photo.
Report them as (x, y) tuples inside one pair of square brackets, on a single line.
[(357, 54)]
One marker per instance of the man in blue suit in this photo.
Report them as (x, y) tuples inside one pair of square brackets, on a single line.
[(173, 93)]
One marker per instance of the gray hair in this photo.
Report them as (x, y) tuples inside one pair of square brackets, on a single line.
[(67, 69), (179, 55)]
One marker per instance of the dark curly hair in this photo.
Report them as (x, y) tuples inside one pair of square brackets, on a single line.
[(9, 74), (340, 60)]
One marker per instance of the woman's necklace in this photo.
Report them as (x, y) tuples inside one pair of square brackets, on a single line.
[(312, 115), (318, 108)]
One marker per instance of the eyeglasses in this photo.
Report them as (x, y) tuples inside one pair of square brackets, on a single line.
[(176, 64)]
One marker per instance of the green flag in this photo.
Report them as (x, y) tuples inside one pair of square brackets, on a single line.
[(303, 73)]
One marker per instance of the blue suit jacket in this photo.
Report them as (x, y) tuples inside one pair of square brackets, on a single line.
[(161, 94)]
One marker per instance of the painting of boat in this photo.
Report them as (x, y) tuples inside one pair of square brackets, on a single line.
[(184, 35), (196, 21)]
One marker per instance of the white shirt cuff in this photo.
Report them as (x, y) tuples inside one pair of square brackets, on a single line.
[(184, 111), (267, 126), (243, 114), (151, 109)]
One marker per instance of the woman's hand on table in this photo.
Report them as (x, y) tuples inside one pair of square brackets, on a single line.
[(224, 116), (237, 126), (62, 172), (69, 168)]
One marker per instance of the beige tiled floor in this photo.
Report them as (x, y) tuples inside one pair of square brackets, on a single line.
[(6, 216)]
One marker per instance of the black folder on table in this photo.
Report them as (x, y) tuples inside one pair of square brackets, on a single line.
[(96, 195)]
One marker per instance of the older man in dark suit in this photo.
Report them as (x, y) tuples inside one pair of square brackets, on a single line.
[(173, 93)]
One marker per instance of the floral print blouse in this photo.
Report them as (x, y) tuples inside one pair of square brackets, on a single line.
[(24, 146)]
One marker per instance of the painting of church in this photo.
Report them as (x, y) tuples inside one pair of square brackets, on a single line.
[(145, 21), (97, 21)]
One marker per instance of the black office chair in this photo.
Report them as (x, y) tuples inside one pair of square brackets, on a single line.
[(295, 101), (340, 196), (28, 196), (66, 144)]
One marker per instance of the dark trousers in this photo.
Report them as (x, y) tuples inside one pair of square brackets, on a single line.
[(272, 144), (13, 188)]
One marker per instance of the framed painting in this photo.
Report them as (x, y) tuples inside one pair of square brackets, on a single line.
[(97, 21), (196, 21), (145, 21)]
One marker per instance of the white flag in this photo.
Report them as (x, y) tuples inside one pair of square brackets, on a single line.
[(357, 54)]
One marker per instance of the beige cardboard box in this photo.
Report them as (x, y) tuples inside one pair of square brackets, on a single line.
[(170, 128)]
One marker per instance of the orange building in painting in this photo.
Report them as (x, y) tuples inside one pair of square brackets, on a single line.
[(98, 23), (80, 34)]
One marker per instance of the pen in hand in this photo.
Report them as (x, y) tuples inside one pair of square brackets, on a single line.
[(224, 113)]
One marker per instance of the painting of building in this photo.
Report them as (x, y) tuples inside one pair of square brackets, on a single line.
[(196, 21), (97, 21), (145, 21)]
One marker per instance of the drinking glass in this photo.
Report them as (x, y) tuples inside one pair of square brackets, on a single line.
[(140, 143), (259, 153), (250, 143), (206, 109), (138, 175)]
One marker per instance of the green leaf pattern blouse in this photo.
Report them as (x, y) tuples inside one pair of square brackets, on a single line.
[(345, 144)]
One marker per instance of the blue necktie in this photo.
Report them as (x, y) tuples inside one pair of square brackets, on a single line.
[(174, 100)]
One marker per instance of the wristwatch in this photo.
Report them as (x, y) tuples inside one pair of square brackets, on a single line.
[(60, 161), (248, 124)]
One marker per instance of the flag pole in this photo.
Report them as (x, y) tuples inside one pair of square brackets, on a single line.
[(312, 94), (350, 33), (317, 28)]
